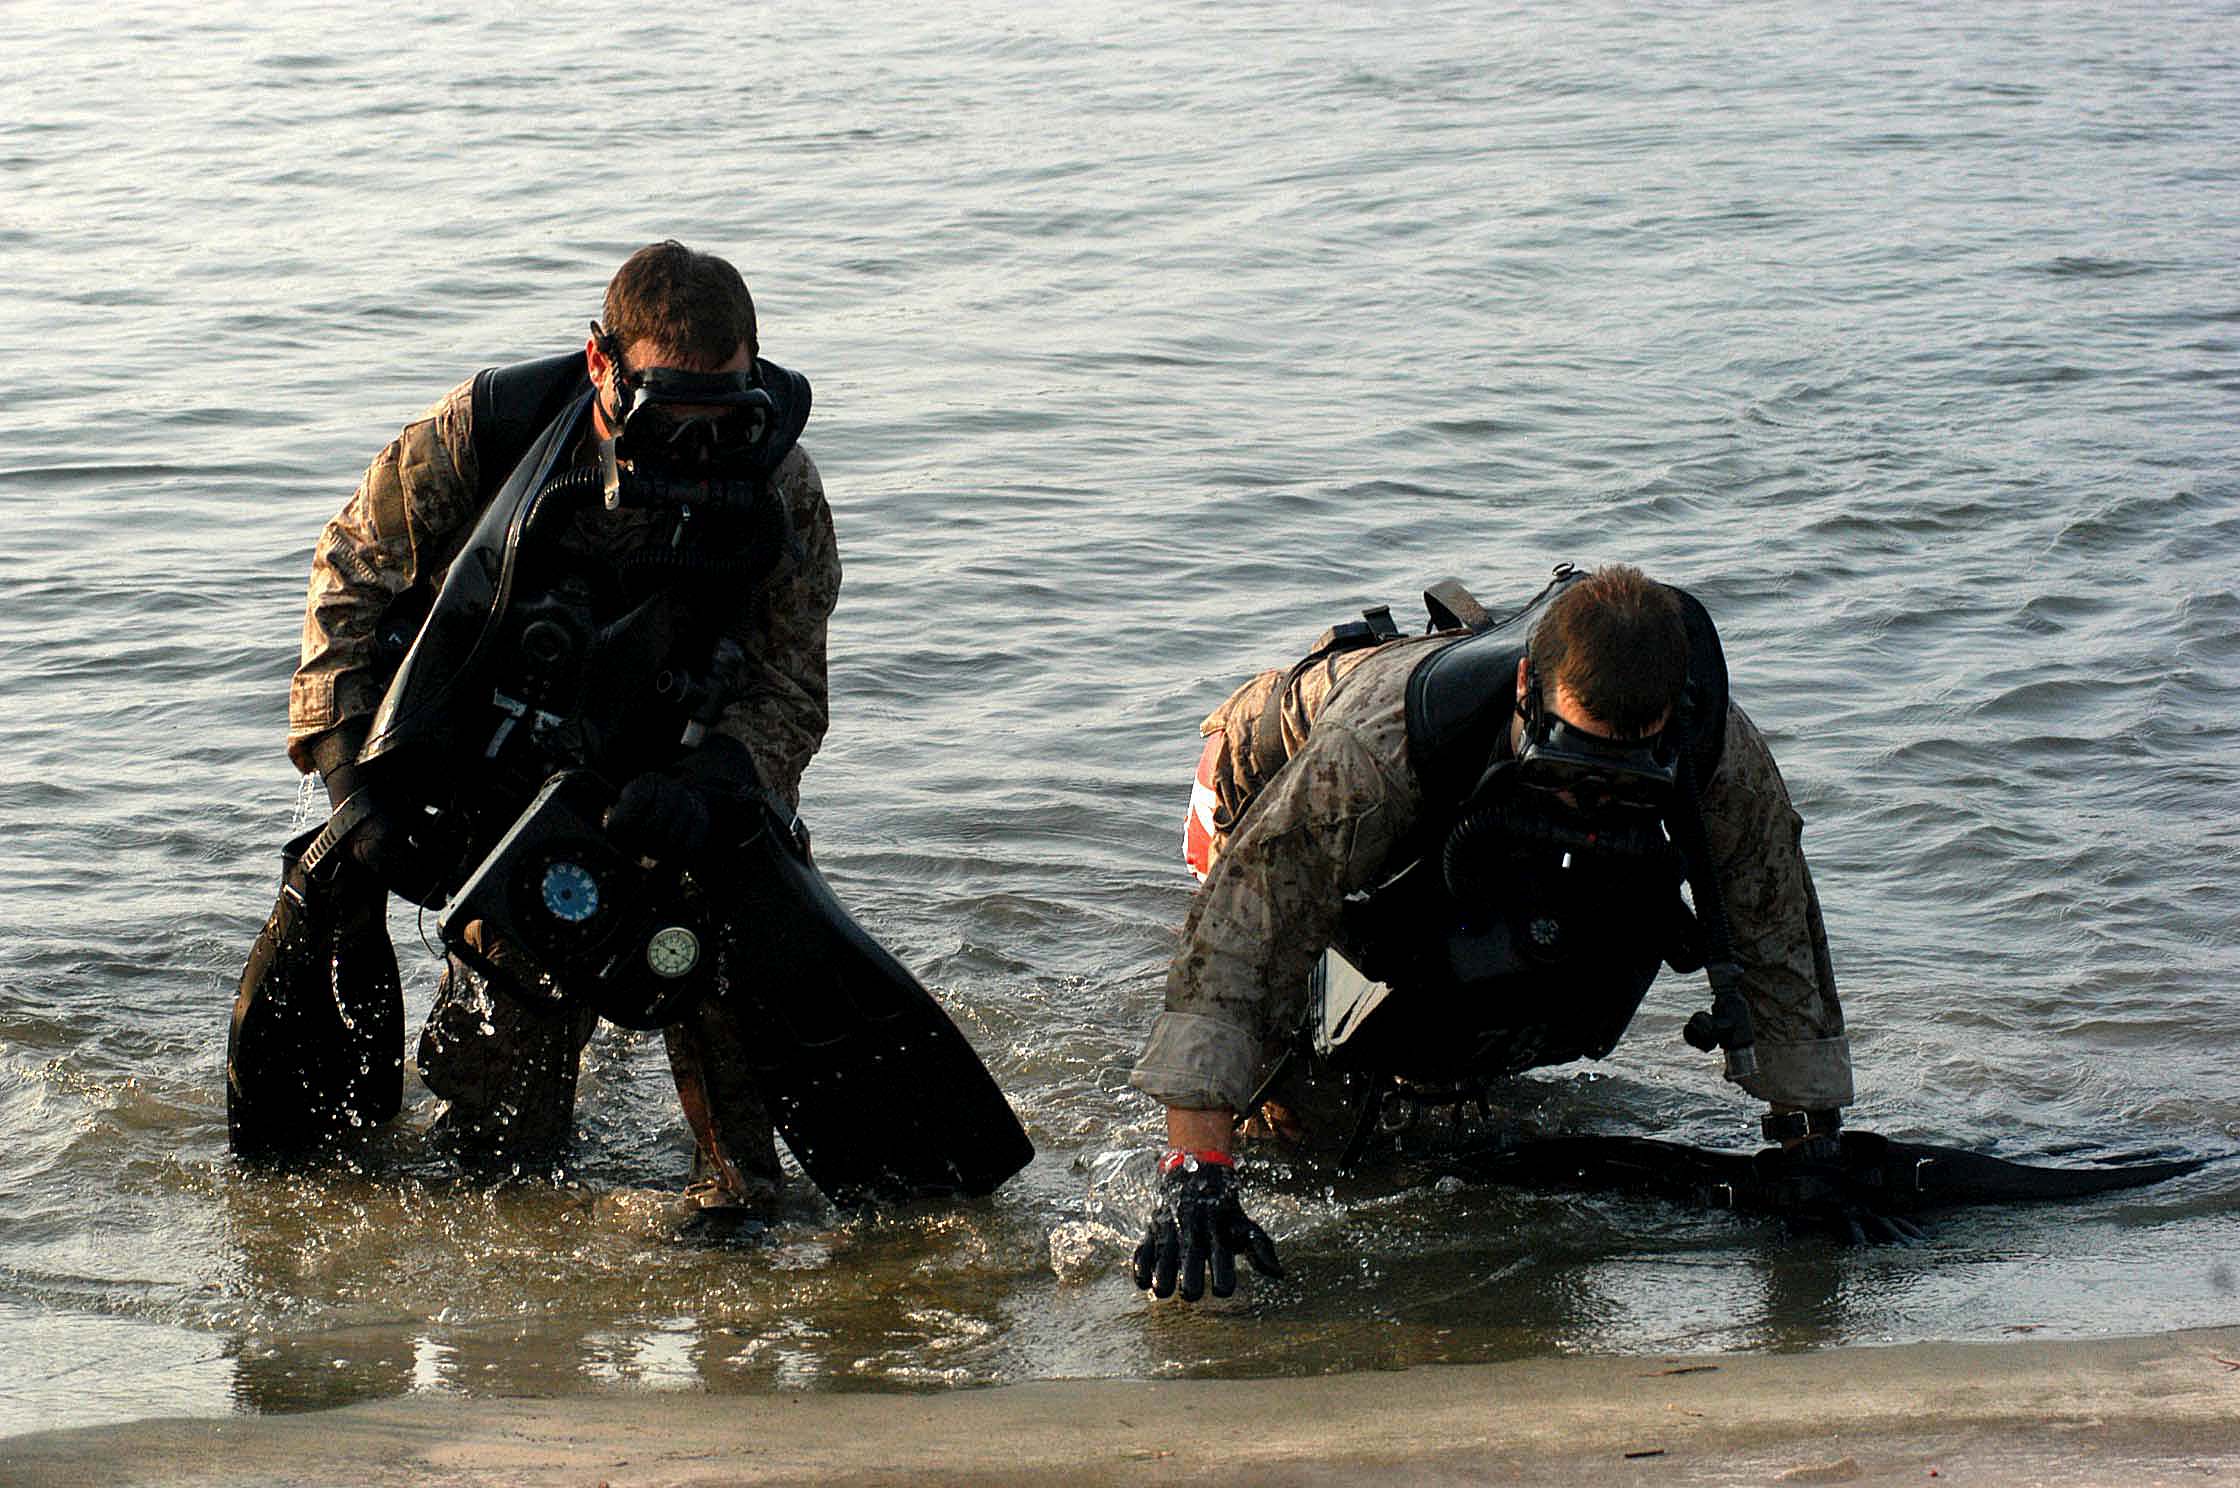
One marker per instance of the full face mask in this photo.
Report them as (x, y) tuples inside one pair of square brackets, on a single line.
[(683, 438), (1599, 776)]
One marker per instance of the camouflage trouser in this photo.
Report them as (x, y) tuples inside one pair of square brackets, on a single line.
[(507, 1071)]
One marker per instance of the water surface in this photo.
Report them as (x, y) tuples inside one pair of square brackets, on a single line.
[(1146, 346)]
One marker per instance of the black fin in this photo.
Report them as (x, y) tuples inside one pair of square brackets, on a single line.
[(316, 1051), (1904, 1177), (876, 1092)]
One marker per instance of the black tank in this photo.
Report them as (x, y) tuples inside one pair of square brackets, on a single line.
[(1513, 939), (541, 652)]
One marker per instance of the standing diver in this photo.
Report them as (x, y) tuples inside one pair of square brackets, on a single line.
[(563, 667)]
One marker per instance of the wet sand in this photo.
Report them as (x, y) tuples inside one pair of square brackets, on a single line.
[(2134, 1412)]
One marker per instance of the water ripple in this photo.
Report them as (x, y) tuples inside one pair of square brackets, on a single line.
[(1143, 353)]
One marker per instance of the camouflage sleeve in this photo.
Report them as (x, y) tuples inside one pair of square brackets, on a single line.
[(1326, 825), (1242, 765), (1756, 839), (407, 521), (1237, 779), (783, 715)]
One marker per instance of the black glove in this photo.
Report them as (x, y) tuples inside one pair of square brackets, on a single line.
[(672, 815), (1817, 1191), (659, 817), (381, 842), (1197, 1224)]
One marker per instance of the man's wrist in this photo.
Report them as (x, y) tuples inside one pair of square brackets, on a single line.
[(338, 747), (1210, 1130), (1189, 1159)]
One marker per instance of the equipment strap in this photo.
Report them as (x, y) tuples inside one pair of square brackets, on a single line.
[(347, 818), (1452, 606), (1374, 628), (1726, 1025)]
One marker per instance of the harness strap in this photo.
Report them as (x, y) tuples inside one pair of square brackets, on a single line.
[(1452, 606), (1727, 1024), (347, 818), (1374, 628)]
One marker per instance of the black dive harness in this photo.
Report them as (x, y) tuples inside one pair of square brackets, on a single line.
[(578, 641), (1526, 927)]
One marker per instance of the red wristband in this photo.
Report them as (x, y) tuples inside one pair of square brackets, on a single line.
[(1175, 1157)]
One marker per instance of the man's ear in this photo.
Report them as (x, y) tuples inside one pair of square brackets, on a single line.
[(598, 367), (1524, 678)]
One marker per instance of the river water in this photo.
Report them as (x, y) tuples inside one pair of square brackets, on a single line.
[(1147, 342)]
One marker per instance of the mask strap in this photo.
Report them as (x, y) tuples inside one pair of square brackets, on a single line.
[(624, 391), (1534, 710)]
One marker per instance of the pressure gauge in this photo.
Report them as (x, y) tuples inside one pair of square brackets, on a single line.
[(570, 892), (672, 951)]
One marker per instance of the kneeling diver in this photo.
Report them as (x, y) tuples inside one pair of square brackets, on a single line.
[(563, 666), (1433, 861)]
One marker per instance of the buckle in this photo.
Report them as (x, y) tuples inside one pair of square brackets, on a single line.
[(1795, 1126)]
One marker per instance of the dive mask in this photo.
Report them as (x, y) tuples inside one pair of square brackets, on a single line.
[(684, 438), (1600, 774)]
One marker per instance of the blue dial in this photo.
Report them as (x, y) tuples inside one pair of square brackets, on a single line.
[(570, 892)]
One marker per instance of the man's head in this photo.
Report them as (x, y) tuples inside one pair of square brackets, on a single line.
[(670, 306), (1610, 656), (678, 404)]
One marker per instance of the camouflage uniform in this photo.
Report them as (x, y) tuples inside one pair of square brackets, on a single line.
[(1330, 821), (508, 1073)]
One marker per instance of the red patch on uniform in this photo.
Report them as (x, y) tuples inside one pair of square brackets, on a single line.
[(1197, 827)]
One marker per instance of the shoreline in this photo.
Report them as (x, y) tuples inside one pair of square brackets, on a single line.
[(2129, 1410)]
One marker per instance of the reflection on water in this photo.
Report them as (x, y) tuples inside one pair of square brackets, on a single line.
[(351, 1286)]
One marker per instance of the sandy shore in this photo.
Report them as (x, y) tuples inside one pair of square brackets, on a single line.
[(2132, 1412)]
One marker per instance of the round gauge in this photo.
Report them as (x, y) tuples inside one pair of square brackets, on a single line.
[(570, 892), (672, 951)]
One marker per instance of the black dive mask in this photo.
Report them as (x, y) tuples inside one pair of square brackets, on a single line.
[(684, 438), (1601, 775)]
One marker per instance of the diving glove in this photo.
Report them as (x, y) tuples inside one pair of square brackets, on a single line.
[(672, 815), (1197, 1227), (382, 841), (1810, 1185), (659, 817)]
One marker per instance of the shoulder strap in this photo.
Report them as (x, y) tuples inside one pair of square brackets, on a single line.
[(1703, 703), (513, 405), (1452, 606), (1374, 628)]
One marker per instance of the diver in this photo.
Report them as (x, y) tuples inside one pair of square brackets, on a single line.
[(563, 667), (1433, 861)]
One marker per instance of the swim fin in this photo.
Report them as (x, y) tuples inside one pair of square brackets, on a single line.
[(316, 1050), (1890, 1176), (876, 1092)]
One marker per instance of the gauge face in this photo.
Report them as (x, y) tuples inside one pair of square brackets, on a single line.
[(570, 892), (672, 951)]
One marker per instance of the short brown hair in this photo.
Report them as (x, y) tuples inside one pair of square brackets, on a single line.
[(692, 305), (1617, 640)]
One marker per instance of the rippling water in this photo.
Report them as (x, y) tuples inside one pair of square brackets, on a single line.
[(1145, 346)]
